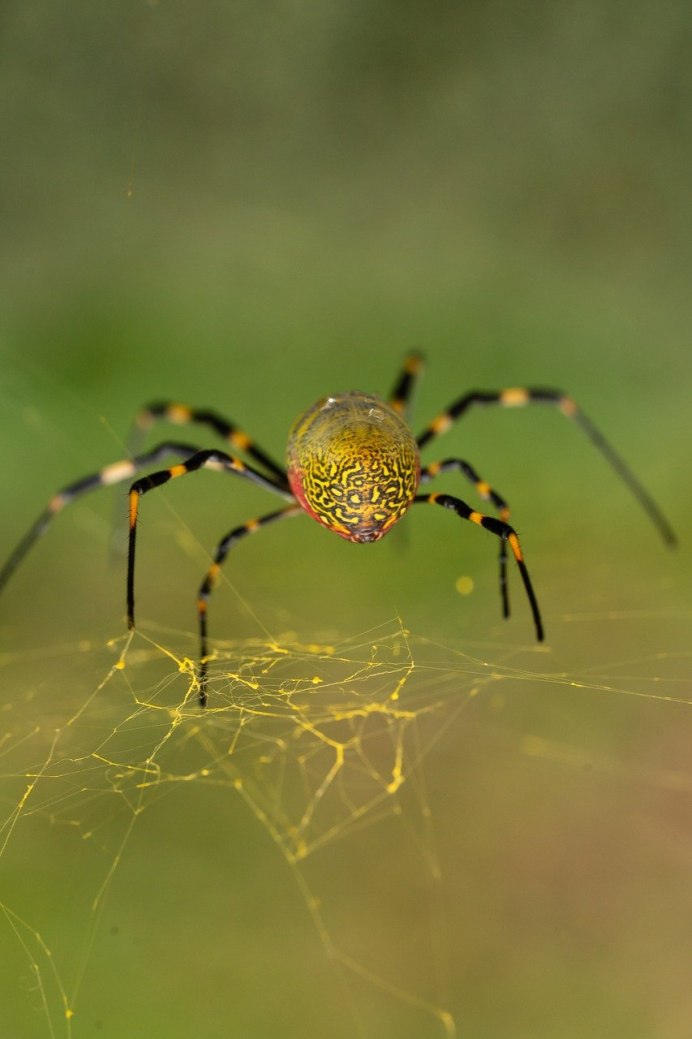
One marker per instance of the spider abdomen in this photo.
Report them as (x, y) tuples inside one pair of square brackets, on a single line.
[(353, 465)]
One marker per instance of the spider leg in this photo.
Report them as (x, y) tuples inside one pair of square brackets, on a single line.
[(212, 575), (117, 472), (400, 396), (487, 493), (183, 415), (218, 461), (516, 397), (501, 530)]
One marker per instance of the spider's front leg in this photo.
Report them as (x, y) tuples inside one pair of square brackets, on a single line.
[(487, 493), (116, 472), (519, 397), (400, 397), (501, 530), (182, 415)]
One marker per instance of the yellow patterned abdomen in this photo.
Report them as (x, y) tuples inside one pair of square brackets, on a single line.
[(353, 465)]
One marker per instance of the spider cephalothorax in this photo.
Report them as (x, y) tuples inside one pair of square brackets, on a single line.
[(353, 465)]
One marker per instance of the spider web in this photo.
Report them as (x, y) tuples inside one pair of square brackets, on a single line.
[(366, 834), (330, 747)]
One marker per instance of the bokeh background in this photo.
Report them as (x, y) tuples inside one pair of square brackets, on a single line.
[(248, 206)]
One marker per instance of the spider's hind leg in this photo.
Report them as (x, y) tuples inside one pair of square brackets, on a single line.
[(211, 578), (487, 493), (501, 530)]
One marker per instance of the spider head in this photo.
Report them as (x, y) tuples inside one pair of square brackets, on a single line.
[(353, 465)]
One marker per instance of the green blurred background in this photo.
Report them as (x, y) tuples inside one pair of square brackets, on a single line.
[(247, 206)]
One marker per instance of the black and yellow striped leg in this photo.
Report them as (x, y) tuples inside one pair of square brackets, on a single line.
[(212, 576), (516, 397), (183, 415), (501, 530), (118, 472), (487, 493), (218, 461), (400, 396)]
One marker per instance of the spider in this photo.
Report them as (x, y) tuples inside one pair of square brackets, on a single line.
[(352, 464)]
